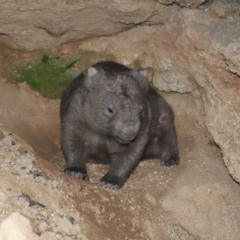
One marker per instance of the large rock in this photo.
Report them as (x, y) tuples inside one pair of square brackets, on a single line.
[(216, 69), (45, 24), (205, 210)]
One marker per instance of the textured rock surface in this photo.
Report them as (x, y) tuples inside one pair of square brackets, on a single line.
[(216, 68), (197, 207), (23, 189), (44, 24)]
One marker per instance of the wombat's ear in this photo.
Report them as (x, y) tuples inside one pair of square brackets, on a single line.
[(91, 72), (141, 77), (91, 75)]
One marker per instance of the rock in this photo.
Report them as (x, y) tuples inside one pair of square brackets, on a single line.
[(216, 68), (176, 81), (46, 24), (43, 205), (205, 210), (16, 227)]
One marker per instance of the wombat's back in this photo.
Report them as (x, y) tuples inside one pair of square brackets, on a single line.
[(69, 92), (109, 66)]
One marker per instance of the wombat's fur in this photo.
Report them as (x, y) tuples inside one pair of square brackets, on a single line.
[(110, 113)]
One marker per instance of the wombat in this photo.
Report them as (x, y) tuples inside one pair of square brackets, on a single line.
[(111, 113)]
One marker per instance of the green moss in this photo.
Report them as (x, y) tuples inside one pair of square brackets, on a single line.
[(45, 72), (50, 75)]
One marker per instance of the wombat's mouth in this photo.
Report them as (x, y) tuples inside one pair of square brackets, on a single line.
[(125, 141)]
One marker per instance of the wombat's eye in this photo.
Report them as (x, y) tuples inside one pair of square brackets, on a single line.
[(141, 110), (110, 110)]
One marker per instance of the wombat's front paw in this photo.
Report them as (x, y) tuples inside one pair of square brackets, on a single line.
[(76, 173), (111, 181), (171, 161)]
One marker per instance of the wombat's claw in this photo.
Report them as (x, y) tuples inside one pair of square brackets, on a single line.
[(106, 185), (170, 161), (77, 174)]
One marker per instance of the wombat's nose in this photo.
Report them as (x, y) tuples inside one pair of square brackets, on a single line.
[(130, 130)]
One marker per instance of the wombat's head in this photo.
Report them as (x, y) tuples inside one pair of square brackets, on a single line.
[(116, 103)]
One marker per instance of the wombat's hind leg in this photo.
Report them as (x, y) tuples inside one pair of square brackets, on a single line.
[(168, 143), (169, 160), (169, 149)]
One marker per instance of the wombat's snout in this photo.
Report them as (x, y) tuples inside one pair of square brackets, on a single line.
[(129, 131)]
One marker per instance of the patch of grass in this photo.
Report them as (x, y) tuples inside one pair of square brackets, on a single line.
[(50, 75), (47, 73)]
